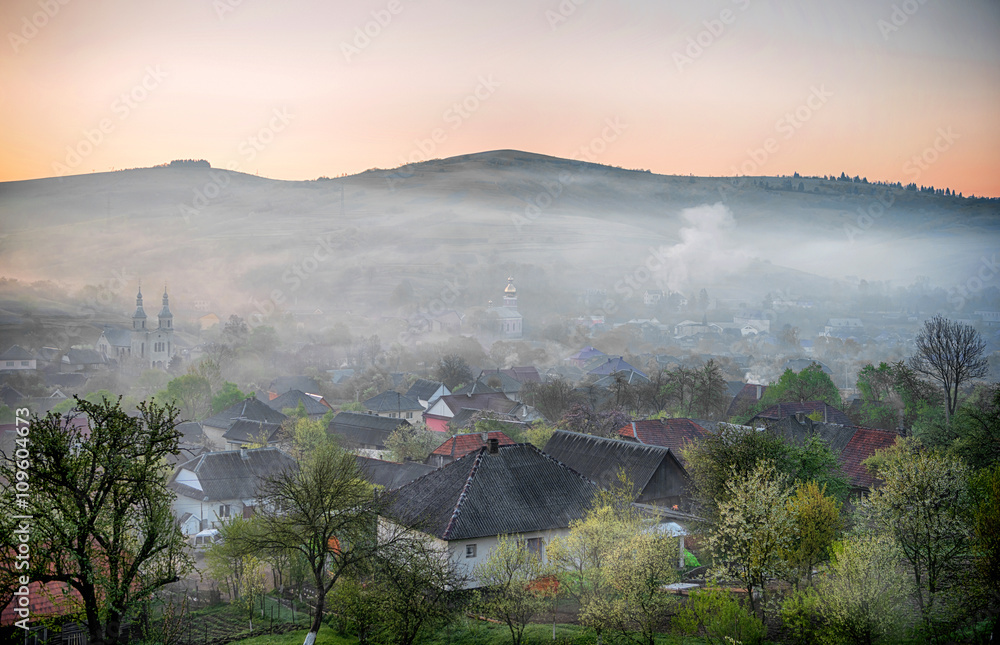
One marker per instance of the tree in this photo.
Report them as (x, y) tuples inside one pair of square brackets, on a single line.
[(551, 399), (191, 394), (863, 598), (985, 491), (508, 574), (226, 397), (327, 512), (950, 353), (923, 505), (453, 371), (753, 531), (816, 522), (976, 428), (606, 423), (100, 508), (810, 384), (710, 395), (721, 616), (229, 559), (412, 443), (236, 330)]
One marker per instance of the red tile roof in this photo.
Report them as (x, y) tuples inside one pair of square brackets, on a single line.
[(462, 444), (670, 433), (863, 445), (46, 601)]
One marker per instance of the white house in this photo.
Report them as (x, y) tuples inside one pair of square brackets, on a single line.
[(498, 490), (218, 485)]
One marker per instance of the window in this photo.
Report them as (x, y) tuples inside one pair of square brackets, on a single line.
[(470, 550), (10, 363), (24, 363), (409, 415), (534, 546), (223, 510)]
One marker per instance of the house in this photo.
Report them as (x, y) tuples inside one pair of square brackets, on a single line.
[(500, 381), (438, 415), (826, 413), (315, 405), (476, 387), (844, 327), (612, 365), (365, 432), (284, 384), (250, 409), (9, 396), (652, 297), (218, 485), (82, 360), (755, 319), (498, 490), (585, 356), (426, 392), (674, 434), (656, 475), (18, 359), (746, 398), (390, 475), (393, 405), (245, 431), (460, 445)]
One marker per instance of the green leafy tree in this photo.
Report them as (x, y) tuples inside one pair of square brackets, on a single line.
[(327, 512), (720, 617), (100, 508), (863, 598), (816, 522), (710, 396), (191, 394), (810, 384), (510, 595), (229, 559), (977, 428), (924, 506), (753, 531), (228, 396), (453, 371), (413, 443), (985, 519)]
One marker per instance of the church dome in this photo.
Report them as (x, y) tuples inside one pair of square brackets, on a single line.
[(510, 286)]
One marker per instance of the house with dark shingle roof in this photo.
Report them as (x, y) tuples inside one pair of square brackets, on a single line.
[(656, 475), (216, 426), (445, 408), (799, 410), (476, 387), (612, 365), (462, 444), (217, 485), (366, 432), (17, 359), (315, 407), (499, 490), (245, 432), (426, 392), (394, 406), (745, 399), (862, 445), (390, 475), (669, 433)]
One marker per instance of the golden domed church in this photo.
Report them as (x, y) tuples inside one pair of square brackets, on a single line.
[(508, 318)]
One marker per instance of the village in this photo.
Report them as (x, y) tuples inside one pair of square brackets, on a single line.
[(476, 450)]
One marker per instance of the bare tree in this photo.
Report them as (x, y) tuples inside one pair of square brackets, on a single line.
[(950, 353)]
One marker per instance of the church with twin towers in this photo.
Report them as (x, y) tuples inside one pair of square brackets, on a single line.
[(148, 345)]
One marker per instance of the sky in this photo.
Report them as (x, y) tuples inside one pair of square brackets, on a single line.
[(892, 90)]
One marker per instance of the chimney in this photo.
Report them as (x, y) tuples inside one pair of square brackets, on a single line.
[(485, 436), (800, 417), (243, 454), (758, 393), (494, 445)]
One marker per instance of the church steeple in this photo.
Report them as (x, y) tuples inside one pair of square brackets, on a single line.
[(510, 294), (166, 318), (139, 317)]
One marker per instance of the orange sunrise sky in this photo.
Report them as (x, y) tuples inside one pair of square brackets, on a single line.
[(889, 90)]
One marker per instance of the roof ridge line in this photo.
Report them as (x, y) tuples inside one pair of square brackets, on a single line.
[(461, 496)]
